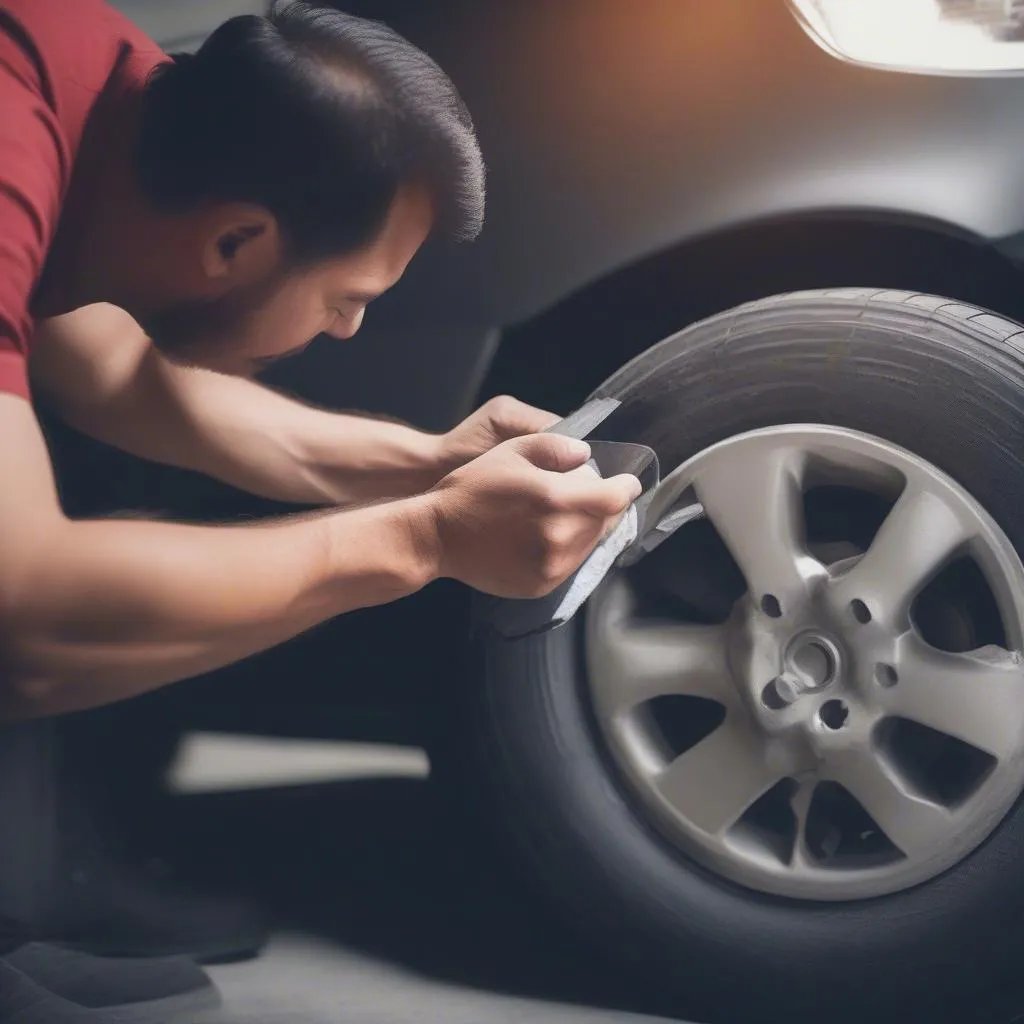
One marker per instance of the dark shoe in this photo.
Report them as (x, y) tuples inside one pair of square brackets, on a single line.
[(22, 1001), (98, 983), (125, 917)]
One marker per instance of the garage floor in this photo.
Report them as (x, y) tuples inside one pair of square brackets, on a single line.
[(305, 980), (386, 912)]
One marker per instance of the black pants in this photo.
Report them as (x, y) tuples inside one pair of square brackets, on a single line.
[(28, 823)]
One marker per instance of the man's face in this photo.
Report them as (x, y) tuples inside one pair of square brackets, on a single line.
[(255, 322)]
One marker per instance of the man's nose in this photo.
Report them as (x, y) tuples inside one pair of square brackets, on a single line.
[(353, 324), (349, 327)]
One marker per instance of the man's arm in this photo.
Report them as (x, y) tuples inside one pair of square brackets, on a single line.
[(102, 375), (96, 611)]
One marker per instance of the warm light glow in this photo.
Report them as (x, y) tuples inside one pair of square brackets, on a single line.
[(966, 37)]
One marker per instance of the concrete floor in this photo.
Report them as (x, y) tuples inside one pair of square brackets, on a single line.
[(305, 980), (386, 914)]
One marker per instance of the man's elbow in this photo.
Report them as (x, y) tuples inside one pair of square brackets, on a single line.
[(88, 364)]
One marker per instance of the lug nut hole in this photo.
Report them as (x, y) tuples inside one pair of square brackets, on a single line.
[(771, 697), (833, 714), (885, 675), (860, 611), (771, 607)]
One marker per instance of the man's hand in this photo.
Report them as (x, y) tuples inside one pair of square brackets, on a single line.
[(500, 419), (521, 518)]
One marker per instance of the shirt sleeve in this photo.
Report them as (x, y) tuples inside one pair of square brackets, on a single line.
[(32, 175)]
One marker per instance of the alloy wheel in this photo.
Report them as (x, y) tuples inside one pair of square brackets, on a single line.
[(863, 728)]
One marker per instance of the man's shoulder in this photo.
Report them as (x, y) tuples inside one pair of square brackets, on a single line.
[(48, 18), (81, 40)]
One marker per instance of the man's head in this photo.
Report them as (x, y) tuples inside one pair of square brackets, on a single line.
[(296, 163)]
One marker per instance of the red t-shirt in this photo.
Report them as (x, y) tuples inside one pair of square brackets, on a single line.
[(58, 60)]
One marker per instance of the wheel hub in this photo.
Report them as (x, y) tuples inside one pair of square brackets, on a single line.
[(811, 663)]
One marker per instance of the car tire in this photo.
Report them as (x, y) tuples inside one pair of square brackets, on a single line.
[(934, 376)]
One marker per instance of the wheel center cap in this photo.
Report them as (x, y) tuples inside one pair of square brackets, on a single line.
[(812, 660), (810, 663)]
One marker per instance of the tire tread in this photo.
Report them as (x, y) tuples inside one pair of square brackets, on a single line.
[(982, 323)]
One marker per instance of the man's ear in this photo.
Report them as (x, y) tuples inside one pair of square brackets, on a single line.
[(241, 244)]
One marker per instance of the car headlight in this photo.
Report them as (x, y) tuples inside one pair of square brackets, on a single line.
[(951, 37)]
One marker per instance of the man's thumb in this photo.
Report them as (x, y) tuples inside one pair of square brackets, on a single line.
[(552, 451)]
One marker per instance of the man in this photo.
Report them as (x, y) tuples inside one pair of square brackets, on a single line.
[(167, 228)]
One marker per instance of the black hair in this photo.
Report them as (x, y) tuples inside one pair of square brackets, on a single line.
[(320, 117)]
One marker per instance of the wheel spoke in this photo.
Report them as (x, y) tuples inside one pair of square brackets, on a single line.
[(753, 498), (977, 697), (633, 661), (800, 802), (914, 825), (713, 783), (918, 537)]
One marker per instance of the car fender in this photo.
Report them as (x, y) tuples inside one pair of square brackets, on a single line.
[(613, 131)]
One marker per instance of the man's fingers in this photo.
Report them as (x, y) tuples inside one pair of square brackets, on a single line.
[(512, 418), (552, 451), (586, 473), (575, 486), (596, 496)]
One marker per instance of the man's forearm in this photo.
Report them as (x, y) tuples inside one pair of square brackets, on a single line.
[(98, 369), (283, 449), (111, 609), (266, 443)]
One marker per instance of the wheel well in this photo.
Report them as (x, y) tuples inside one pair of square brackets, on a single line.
[(555, 359)]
